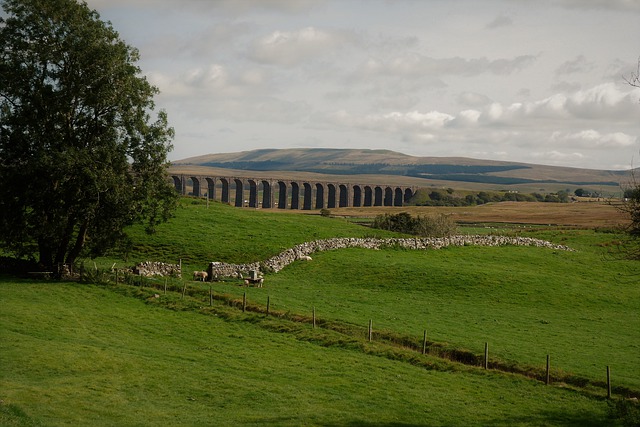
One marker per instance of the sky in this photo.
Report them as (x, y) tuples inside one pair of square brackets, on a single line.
[(534, 81)]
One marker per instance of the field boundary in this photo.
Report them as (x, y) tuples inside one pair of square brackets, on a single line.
[(415, 350), (303, 251)]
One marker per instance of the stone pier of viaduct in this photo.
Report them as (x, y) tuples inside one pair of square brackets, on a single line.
[(290, 194)]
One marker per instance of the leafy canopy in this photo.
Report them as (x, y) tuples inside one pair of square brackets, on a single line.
[(424, 226), (80, 156)]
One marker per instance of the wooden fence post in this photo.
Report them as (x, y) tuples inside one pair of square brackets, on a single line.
[(424, 343), (548, 377), (314, 317), (165, 285), (608, 382), (486, 355), (210, 296), (268, 304), (244, 302), (184, 290), (370, 330)]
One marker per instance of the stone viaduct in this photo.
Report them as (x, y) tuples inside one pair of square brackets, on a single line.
[(304, 194)]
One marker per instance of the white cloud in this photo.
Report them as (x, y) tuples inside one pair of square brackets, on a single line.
[(446, 78), (212, 80), (601, 103), (556, 157), (394, 122), (566, 87), (472, 99), (604, 103), (416, 65), (501, 20), (289, 48), (592, 139), (230, 6), (628, 5), (466, 118), (577, 65)]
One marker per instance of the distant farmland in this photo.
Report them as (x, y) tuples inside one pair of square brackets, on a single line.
[(579, 214)]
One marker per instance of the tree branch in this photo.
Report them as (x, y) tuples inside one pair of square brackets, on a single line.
[(634, 78)]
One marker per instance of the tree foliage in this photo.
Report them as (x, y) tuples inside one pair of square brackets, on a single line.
[(631, 199), (631, 207), (424, 226), (80, 156), (633, 79), (448, 197)]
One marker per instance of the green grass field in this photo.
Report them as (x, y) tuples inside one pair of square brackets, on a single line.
[(77, 354), (198, 234), (83, 354)]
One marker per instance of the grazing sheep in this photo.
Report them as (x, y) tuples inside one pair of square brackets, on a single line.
[(256, 282), (200, 275)]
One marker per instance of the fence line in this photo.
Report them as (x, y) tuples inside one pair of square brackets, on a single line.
[(406, 342)]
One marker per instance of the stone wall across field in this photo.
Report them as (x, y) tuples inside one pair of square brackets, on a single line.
[(303, 250), (151, 268), (219, 270)]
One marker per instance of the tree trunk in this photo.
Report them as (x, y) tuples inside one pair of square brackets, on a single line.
[(77, 247), (45, 252), (63, 245)]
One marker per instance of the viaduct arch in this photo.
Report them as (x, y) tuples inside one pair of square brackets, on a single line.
[(277, 193)]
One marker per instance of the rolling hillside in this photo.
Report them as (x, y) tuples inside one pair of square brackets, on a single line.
[(102, 353), (455, 172)]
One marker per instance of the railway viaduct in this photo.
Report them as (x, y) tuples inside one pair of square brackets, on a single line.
[(269, 193)]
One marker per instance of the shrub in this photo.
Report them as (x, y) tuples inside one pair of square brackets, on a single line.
[(401, 223), (424, 226), (435, 226)]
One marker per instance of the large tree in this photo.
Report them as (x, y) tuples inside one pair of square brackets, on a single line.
[(80, 156), (631, 199)]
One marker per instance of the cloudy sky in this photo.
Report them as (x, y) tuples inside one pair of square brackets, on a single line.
[(538, 81)]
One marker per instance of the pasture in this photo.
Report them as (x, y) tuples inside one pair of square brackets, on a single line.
[(131, 359), (84, 355)]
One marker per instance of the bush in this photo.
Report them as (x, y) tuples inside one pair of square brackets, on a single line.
[(401, 223), (424, 226), (436, 226)]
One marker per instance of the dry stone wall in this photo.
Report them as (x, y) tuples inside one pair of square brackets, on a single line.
[(280, 261), (150, 268)]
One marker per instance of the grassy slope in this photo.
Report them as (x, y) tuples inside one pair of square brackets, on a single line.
[(120, 358), (221, 233), (83, 355), (526, 302)]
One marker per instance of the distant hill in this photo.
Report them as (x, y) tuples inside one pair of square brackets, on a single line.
[(458, 171)]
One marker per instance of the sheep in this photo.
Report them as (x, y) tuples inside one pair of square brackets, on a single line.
[(256, 282), (200, 275)]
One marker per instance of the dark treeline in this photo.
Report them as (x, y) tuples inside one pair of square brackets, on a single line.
[(449, 198)]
